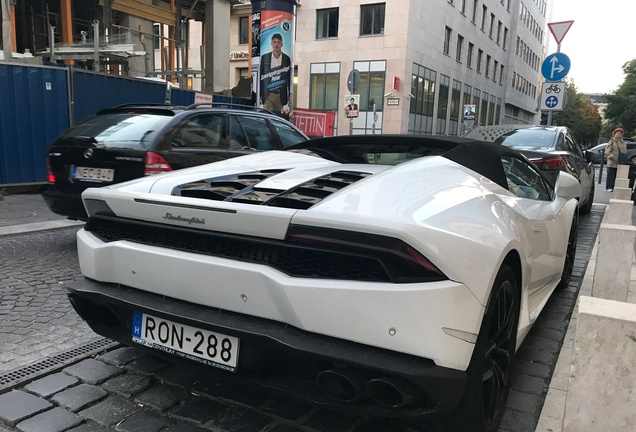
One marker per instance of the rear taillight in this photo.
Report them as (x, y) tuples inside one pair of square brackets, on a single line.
[(50, 177), (155, 164), (549, 163), (402, 262)]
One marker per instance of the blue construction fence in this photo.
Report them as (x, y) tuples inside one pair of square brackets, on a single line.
[(37, 103)]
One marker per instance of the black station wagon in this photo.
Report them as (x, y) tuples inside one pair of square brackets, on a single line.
[(131, 141)]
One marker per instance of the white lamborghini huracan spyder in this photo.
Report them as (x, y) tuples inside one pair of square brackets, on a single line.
[(388, 275)]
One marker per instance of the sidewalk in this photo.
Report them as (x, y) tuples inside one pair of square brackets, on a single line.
[(28, 212), (553, 412)]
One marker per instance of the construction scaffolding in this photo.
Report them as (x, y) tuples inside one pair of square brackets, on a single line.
[(94, 50)]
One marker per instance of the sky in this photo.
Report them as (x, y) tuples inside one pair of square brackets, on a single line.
[(598, 43)]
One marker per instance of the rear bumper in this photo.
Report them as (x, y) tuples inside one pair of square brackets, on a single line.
[(276, 356), (65, 204)]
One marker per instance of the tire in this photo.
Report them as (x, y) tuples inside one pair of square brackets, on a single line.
[(484, 400), (570, 253), (587, 208)]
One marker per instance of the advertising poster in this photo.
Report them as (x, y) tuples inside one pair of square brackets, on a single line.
[(469, 112), (351, 105), (276, 56), (255, 50)]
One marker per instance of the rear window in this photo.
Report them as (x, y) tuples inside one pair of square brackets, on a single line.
[(528, 139), (122, 130)]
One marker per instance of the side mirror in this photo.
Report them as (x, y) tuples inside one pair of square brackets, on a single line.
[(567, 186), (589, 156)]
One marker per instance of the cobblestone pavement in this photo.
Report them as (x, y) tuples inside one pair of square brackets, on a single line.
[(123, 389), (36, 318)]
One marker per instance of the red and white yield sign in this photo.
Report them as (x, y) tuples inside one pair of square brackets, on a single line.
[(559, 29)]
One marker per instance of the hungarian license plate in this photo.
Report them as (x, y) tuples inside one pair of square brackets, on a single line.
[(204, 346), (93, 174)]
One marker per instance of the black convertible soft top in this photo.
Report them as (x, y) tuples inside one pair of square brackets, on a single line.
[(479, 156)]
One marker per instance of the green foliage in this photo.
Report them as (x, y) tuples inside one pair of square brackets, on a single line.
[(621, 105), (581, 116)]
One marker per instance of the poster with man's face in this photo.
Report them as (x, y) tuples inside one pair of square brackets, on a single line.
[(352, 105), (276, 62), (469, 112)]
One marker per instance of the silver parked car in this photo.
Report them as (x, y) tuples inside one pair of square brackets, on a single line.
[(551, 148)]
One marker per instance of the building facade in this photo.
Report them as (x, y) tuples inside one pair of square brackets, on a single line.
[(419, 62)]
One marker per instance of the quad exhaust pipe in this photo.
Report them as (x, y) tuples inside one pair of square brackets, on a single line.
[(351, 385), (392, 392), (345, 385)]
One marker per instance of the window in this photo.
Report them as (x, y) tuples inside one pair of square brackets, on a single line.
[(499, 31), (372, 19), (480, 54), (258, 133), (156, 40), (203, 132), (469, 55), (484, 108), (371, 90), (484, 12), (501, 72), (463, 7), (447, 38), (327, 23), (323, 86), (442, 103), (524, 180), (288, 136), (492, 25), (491, 110), (467, 93), (477, 103), (242, 73), (475, 4), (487, 73), (460, 47), (505, 40), (498, 113), (423, 88), (455, 102), (244, 31)]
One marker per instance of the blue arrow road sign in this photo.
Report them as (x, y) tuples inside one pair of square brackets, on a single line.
[(555, 67), (552, 101)]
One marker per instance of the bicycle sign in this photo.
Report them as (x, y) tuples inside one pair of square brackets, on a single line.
[(553, 88), (553, 96)]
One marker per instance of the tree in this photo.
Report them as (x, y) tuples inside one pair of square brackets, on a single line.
[(621, 105), (581, 116)]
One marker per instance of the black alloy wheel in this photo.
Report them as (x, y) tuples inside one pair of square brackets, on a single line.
[(499, 350), (484, 400), (570, 253)]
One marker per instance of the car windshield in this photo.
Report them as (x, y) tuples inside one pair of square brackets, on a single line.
[(528, 138), (122, 130)]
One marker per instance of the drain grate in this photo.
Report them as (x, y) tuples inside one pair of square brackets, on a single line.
[(22, 375)]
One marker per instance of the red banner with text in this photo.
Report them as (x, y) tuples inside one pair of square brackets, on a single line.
[(314, 123)]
